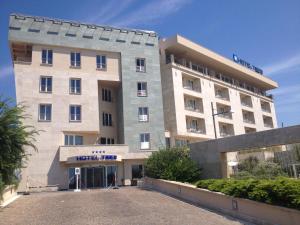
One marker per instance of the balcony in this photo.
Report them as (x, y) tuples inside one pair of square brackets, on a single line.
[(191, 83), (224, 111), (268, 121), (193, 104), (249, 130), (22, 53), (265, 106), (226, 129), (248, 117), (222, 93), (203, 70), (246, 100), (195, 125)]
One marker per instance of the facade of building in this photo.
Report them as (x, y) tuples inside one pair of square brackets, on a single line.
[(105, 98), (197, 83), (95, 94)]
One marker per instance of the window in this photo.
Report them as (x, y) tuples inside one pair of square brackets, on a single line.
[(106, 95), (141, 89), (73, 140), (46, 84), (140, 65), (75, 86), (107, 141), (137, 171), (168, 142), (75, 59), (75, 113), (190, 84), (45, 112), (181, 143), (47, 56), (101, 62), (145, 141), (143, 114), (107, 119)]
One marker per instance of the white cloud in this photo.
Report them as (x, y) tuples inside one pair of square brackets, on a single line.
[(287, 90), (5, 71), (151, 12), (288, 64), (109, 11)]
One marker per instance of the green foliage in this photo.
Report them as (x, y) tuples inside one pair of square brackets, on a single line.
[(2, 186), (248, 164), (253, 168), (280, 191), (14, 136), (172, 164)]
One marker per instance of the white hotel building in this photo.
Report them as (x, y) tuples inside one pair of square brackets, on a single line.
[(105, 98)]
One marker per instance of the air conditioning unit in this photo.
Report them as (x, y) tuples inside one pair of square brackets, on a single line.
[(145, 145), (143, 118), (142, 93)]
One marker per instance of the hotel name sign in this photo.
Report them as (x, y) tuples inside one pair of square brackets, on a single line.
[(97, 156), (246, 64)]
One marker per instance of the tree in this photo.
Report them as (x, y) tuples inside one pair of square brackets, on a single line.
[(14, 137), (172, 164)]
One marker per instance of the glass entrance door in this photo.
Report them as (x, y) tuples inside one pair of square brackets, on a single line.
[(93, 177), (111, 175), (99, 177)]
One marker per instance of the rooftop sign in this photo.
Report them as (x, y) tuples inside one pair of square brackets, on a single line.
[(246, 64)]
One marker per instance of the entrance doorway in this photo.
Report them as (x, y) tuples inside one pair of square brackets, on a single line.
[(94, 177)]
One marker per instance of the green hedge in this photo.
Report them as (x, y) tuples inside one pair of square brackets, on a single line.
[(280, 191)]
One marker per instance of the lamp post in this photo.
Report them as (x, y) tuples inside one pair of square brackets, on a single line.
[(215, 114)]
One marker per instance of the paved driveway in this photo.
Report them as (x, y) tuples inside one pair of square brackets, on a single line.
[(124, 206)]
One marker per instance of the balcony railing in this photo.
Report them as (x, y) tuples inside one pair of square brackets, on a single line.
[(268, 125), (209, 72), (224, 134), (221, 96), (264, 109), (189, 87), (246, 104), (23, 60), (249, 121), (196, 130), (142, 93), (225, 115), (194, 109)]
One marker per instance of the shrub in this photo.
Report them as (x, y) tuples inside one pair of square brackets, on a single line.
[(248, 164), (280, 191), (239, 188), (253, 168), (172, 164)]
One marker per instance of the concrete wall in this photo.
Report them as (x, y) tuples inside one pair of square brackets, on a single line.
[(208, 154), (9, 194), (251, 211)]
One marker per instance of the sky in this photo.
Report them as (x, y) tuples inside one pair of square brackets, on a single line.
[(265, 33)]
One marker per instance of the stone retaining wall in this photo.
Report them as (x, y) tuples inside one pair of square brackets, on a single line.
[(245, 209)]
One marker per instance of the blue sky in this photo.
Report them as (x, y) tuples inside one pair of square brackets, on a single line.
[(264, 32)]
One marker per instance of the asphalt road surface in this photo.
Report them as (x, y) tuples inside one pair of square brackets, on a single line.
[(124, 206)]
